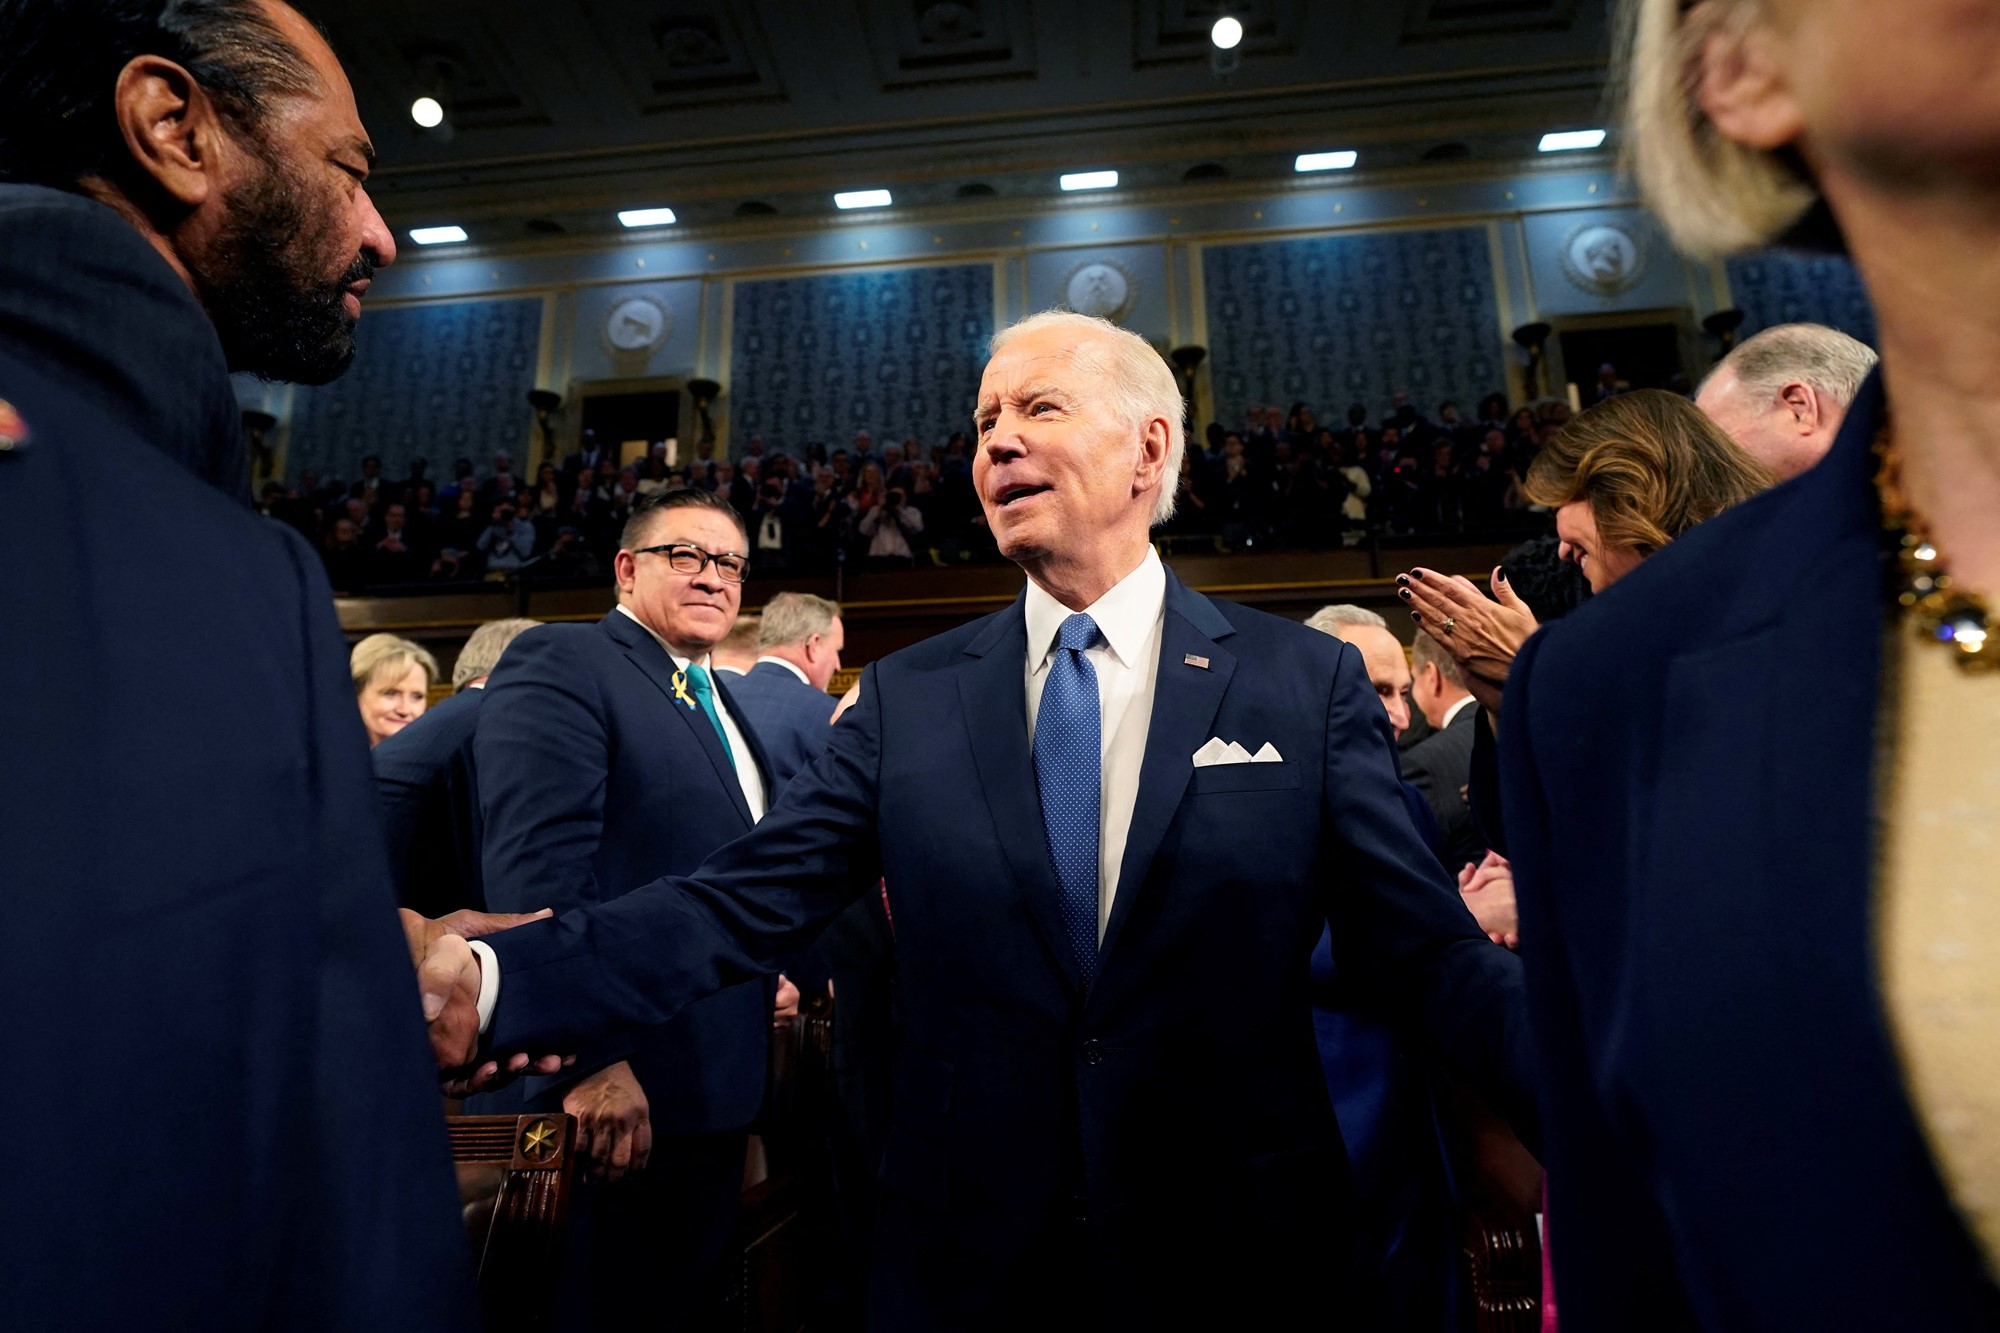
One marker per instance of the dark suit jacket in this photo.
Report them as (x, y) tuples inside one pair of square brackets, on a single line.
[(430, 807), (1179, 1102), (235, 1125), (594, 780), (1440, 766), (791, 716), (1731, 1146)]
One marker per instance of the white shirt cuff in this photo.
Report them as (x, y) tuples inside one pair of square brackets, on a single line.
[(489, 982)]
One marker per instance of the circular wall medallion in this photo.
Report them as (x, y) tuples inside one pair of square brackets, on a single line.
[(636, 324), (1100, 288), (1603, 259)]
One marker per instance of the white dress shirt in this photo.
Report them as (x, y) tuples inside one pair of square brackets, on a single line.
[(747, 776), (1127, 662)]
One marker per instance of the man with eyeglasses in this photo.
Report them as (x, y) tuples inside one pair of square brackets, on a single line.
[(609, 755)]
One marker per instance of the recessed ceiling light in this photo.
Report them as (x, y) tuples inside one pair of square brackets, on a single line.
[(648, 217), (427, 112), (1089, 180), (1226, 33), (1339, 161), (862, 199), (438, 235), (1569, 140)]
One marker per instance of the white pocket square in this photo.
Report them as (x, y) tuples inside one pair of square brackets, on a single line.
[(1219, 751)]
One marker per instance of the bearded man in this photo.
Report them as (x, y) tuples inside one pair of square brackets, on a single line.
[(182, 775)]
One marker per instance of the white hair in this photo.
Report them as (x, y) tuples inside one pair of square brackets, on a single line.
[(1827, 359), (1344, 615), (1142, 384), (1713, 195)]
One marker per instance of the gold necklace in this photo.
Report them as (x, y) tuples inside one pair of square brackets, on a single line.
[(1941, 612)]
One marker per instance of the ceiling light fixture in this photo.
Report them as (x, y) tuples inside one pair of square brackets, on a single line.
[(427, 112), (1567, 141), (648, 217), (1226, 33), (862, 199), (438, 235), (1089, 180), (1339, 161)]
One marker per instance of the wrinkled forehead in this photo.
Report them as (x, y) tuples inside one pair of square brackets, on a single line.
[(1050, 358)]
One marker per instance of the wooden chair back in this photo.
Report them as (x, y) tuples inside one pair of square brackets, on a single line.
[(515, 1176)]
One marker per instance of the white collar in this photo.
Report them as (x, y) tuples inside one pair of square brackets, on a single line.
[(680, 663), (792, 667), (1125, 615), (1451, 713)]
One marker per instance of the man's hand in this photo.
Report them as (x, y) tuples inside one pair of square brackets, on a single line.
[(786, 1007), (1488, 891), (448, 981), (614, 1125)]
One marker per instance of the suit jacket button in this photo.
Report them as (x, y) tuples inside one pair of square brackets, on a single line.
[(1093, 1052)]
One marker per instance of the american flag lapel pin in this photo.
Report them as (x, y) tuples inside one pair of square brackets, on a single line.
[(1195, 661)]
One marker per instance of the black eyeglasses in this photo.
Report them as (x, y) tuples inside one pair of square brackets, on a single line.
[(685, 559)]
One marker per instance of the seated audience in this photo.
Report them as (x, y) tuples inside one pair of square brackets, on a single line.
[(888, 527), (392, 681), (1783, 393), (508, 542)]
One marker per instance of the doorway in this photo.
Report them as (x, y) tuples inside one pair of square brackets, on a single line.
[(630, 423), (1647, 356)]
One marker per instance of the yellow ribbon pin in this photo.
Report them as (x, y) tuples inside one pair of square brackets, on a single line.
[(681, 688)]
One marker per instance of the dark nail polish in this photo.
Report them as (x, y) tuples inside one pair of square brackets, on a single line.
[(1403, 578), (1416, 573), (1416, 615), (1403, 593), (1501, 573)]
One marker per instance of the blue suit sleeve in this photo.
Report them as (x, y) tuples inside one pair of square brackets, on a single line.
[(542, 754), (753, 905), (1399, 926), (1601, 1219)]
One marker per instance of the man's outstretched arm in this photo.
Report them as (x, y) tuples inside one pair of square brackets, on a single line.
[(561, 984)]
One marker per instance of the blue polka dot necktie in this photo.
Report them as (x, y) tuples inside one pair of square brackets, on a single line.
[(703, 690), (1069, 764)]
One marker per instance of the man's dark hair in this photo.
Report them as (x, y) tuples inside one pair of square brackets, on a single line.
[(59, 65), (678, 497)]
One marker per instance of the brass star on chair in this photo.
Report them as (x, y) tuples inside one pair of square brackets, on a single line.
[(540, 1142)]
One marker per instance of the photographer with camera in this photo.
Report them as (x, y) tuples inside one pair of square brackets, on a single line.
[(509, 542), (888, 527)]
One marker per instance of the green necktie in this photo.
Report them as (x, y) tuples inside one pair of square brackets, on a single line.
[(704, 692)]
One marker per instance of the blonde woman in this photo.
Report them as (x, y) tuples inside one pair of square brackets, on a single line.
[(392, 681), (1751, 797)]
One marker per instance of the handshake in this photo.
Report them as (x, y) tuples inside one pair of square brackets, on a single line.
[(448, 979)]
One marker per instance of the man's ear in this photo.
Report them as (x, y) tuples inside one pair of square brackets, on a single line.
[(625, 568), (170, 127), (1154, 442), (1742, 89), (1800, 400)]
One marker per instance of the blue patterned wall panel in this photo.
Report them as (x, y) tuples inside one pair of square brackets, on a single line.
[(1779, 287), (1332, 320), (892, 351), (431, 381)]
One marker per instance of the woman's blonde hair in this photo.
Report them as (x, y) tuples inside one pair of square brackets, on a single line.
[(380, 654), (1650, 465), (1713, 195)]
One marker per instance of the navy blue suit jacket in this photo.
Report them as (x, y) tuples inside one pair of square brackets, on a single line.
[(791, 716), (1179, 1101), (1731, 1146), (430, 807), (594, 780), (200, 941)]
